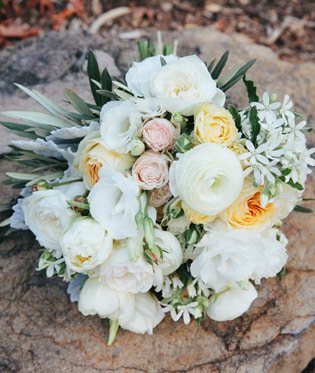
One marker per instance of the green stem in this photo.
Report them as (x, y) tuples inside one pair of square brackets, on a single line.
[(113, 329)]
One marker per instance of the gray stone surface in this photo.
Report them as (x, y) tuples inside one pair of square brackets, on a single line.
[(40, 330)]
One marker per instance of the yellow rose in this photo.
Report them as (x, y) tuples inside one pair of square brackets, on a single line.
[(92, 155), (247, 212), (214, 124), (196, 217)]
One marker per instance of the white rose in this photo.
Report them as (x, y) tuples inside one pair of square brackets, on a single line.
[(275, 255), (114, 203), (226, 257), (124, 274), (120, 122), (47, 214), (139, 76), (208, 178), (146, 316), (92, 154), (85, 245), (97, 299), (231, 303), (71, 190), (179, 85), (172, 251)]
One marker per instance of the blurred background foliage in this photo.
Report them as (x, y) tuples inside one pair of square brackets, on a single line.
[(287, 26)]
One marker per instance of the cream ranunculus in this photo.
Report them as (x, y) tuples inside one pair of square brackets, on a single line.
[(120, 123), (208, 178), (231, 303), (92, 155), (47, 214), (85, 245), (114, 203), (179, 85), (146, 316), (125, 274), (196, 217), (97, 299), (227, 256), (214, 124), (172, 251), (151, 170)]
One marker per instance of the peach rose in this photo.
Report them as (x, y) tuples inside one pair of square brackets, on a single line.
[(151, 170), (159, 134), (160, 196)]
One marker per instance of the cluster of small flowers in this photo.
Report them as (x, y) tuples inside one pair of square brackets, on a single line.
[(280, 151)]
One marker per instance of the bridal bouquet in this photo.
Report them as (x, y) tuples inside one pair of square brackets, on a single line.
[(159, 197)]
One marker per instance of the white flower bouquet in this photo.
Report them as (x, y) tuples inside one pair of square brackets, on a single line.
[(159, 197)]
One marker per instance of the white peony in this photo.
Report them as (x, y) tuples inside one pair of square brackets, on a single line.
[(179, 85), (146, 316), (227, 256), (85, 245), (47, 214), (172, 251), (275, 255), (120, 123), (139, 76), (231, 303), (208, 178), (124, 274), (114, 203), (97, 299)]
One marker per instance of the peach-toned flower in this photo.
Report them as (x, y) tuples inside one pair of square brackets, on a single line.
[(160, 196), (159, 134), (151, 170)]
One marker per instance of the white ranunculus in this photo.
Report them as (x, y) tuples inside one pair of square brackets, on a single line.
[(114, 203), (125, 274), (172, 251), (47, 214), (146, 316), (120, 123), (231, 303), (275, 255), (226, 257), (85, 245), (179, 85), (97, 299), (139, 76), (208, 178)]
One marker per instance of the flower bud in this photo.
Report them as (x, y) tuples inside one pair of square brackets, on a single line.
[(138, 148)]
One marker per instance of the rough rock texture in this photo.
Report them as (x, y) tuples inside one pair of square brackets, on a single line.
[(40, 330)]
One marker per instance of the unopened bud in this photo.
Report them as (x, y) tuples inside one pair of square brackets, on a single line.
[(138, 148)]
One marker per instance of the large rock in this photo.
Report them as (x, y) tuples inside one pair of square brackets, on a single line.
[(41, 330)]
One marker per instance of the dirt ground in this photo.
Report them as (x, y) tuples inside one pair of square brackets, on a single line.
[(287, 26)]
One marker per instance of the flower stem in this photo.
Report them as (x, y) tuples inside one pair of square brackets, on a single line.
[(113, 329)]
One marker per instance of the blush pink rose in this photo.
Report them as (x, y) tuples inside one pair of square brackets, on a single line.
[(159, 134), (151, 170), (160, 196)]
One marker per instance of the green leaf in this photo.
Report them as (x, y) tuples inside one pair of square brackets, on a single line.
[(220, 65), (78, 103), (303, 209), (237, 76), (42, 120), (210, 66), (255, 125), (297, 185), (107, 94), (94, 74), (106, 84), (236, 116), (167, 49), (163, 61), (21, 176), (286, 171), (251, 90)]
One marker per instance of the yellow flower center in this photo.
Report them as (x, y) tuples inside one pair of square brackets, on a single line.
[(83, 259)]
